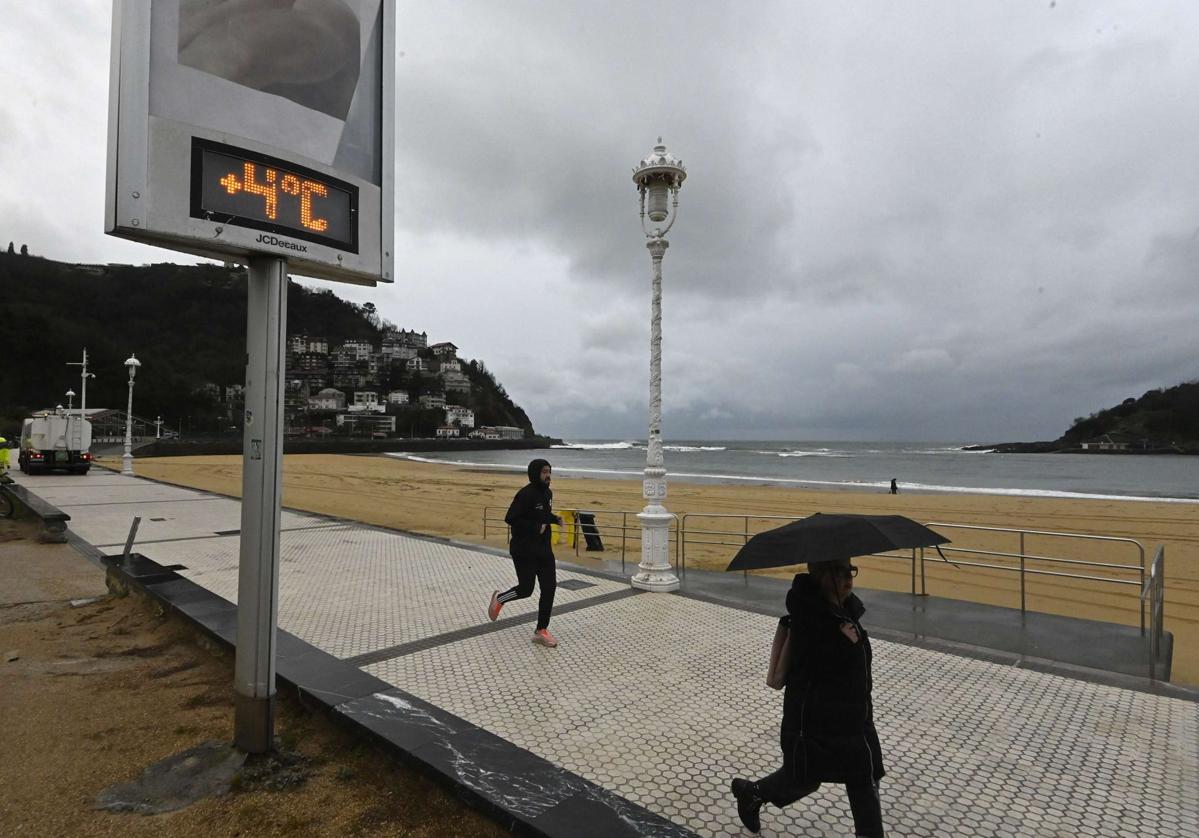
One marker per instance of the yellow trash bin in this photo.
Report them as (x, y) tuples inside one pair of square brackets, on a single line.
[(564, 534)]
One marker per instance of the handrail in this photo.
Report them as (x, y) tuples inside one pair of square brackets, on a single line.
[(738, 536), (1155, 589), (1076, 536)]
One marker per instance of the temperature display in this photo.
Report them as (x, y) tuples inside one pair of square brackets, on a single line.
[(234, 186)]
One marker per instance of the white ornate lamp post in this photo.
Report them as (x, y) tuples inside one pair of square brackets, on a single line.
[(158, 427), (659, 177), (70, 394), (131, 363)]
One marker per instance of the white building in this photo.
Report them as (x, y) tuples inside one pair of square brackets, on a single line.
[(430, 401), (327, 399), (359, 350), (448, 431), (394, 349), (368, 422), (366, 401), (397, 397), (416, 365), (444, 350), (463, 416), (509, 432)]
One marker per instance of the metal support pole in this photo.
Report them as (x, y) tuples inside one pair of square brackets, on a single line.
[(923, 583), (655, 572), (262, 489), (127, 457), (913, 571), (1022, 574)]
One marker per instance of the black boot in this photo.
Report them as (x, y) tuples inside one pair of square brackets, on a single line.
[(749, 803)]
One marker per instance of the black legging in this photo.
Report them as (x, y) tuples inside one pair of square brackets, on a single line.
[(782, 789), (542, 568)]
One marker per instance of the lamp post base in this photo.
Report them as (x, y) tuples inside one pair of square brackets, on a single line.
[(127, 464), (655, 573)]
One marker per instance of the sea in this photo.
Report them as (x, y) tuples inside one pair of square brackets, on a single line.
[(865, 467)]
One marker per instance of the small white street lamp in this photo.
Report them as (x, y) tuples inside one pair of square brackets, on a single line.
[(70, 394), (659, 176), (131, 364), (158, 427)]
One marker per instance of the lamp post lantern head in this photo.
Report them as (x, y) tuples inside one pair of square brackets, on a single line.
[(660, 175), (132, 364), (70, 394)]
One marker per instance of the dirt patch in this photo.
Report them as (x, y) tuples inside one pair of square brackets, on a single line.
[(98, 692)]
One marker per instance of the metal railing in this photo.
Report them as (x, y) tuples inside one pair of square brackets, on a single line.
[(691, 536), (604, 526), (1023, 557), (1154, 590)]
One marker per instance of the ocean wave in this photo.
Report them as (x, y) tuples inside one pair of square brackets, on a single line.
[(600, 446), (819, 452), (694, 448)]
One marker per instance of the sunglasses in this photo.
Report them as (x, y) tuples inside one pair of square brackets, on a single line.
[(845, 572)]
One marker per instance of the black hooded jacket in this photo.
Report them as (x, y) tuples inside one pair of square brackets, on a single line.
[(827, 706), (531, 509)]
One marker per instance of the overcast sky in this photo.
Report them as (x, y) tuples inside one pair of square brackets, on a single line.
[(958, 221)]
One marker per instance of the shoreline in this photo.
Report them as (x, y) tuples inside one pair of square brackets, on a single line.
[(788, 483)]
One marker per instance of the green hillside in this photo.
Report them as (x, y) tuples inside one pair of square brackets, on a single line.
[(187, 324)]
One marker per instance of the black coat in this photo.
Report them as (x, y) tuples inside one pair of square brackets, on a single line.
[(827, 703), (531, 509)]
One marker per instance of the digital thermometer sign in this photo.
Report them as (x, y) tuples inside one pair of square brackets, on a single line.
[(247, 189)]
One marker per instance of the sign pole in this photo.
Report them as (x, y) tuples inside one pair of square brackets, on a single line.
[(261, 507)]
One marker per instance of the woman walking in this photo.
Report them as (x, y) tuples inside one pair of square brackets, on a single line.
[(530, 516), (828, 733)]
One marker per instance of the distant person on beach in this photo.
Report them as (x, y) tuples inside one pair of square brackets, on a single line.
[(894, 487), (828, 733), (530, 517)]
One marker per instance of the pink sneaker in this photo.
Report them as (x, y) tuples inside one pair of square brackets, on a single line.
[(493, 607), (544, 637)]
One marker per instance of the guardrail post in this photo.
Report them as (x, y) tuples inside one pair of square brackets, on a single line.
[(923, 584), (624, 533), (1021, 573), (913, 571)]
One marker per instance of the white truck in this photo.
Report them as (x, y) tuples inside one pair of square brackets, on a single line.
[(55, 440)]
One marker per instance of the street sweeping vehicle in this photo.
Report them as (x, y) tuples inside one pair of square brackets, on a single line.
[(55, 440)]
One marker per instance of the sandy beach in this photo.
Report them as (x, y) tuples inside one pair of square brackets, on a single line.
[(450, 502)]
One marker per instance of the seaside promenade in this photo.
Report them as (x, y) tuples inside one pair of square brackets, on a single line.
[(653, 702)]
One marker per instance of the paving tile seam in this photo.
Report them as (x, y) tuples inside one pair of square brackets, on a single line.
[(144, 502), (425, 643), (140, 542)]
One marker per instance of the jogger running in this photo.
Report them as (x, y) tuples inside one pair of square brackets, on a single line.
[(530, 516)]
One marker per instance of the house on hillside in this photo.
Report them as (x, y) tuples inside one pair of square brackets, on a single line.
[(1106, 442), (461, 416), (444, 350), (327, 399), (448, 431)]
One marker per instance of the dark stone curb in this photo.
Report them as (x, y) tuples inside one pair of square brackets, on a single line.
[(524, 792)]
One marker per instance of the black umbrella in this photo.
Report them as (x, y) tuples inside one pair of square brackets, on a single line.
[(828, 538)]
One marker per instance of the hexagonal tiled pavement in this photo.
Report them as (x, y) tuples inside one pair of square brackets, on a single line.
[(972, 748), (349, 589), (661, 698)]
